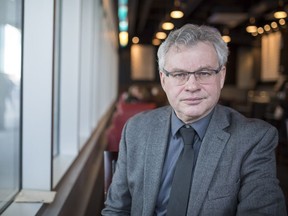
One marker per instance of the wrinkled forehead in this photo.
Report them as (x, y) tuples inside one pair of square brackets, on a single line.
[(200, 54)]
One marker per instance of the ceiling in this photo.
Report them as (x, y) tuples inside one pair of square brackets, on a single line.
[(146, 16)]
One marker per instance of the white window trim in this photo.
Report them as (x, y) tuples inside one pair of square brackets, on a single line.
[(37, 94)]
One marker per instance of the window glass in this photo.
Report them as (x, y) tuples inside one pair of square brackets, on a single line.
[(66, 86), (10, 91)]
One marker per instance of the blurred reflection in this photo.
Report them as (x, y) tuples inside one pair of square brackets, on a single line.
[(6, 87), (10, 101)]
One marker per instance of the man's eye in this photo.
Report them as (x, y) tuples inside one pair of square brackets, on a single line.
[(204, 73), (179, 75)]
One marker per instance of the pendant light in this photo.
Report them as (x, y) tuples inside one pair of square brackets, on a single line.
[(280, 13), (251, 28), (177, 13)]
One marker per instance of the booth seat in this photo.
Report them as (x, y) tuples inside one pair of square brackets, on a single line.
[(123, 112)]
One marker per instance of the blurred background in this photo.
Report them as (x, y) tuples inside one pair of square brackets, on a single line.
[(73, 71)]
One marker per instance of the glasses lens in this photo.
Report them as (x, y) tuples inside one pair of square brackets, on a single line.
[(181, 78), (204, 76)]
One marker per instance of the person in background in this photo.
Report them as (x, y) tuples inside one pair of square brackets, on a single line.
[(137, 94), (232, 170)]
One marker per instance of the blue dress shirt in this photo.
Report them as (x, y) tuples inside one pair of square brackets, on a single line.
[(175, 147)]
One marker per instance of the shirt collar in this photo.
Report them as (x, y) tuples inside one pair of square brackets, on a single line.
[(199, 126)]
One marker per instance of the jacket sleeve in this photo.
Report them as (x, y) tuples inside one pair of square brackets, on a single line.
[(260, 193)]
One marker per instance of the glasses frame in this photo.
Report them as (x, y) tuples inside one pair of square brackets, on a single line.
[(172, 74)]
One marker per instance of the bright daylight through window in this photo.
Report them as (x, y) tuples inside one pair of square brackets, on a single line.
[(10, 79)]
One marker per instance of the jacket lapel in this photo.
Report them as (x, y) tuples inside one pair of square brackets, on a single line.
[(210, 152), (154, 160)]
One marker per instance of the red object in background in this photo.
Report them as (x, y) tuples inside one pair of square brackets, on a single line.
[(123, 113)]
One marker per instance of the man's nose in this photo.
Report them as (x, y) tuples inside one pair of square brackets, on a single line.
[(191, 78), (192, 84)]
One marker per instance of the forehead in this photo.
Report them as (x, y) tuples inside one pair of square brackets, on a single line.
[(198, 55)]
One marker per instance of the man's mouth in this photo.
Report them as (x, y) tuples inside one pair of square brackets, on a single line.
[(192, 101)]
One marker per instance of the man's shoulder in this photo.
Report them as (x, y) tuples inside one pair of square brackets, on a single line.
[(238, 119), (158, 114)]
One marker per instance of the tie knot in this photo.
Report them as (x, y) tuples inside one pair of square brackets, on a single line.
[(187, 134)]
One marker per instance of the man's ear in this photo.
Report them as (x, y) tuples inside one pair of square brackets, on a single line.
[(223, 75), (162, 80)]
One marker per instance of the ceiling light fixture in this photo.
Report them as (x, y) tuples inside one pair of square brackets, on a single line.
[(123, 25), (123, 38), (226, 38), (282, 22), (167, 26), (176, 14), (161, 35), (274, 25), (225, 35), (260, 30), (280, 13), (251, 28), (156, 42), (122, 12), (135, 40), (123, 22), (267, 28)]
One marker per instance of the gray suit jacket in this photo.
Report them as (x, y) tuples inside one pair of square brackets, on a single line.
[(235, 172)]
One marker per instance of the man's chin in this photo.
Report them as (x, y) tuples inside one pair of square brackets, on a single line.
[(189, 117)]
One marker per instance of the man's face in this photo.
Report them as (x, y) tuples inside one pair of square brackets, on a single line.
[(192, 100)]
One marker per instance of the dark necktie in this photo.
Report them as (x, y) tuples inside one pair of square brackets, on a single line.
[(180, 190)]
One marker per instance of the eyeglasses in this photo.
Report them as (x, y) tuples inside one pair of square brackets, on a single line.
[(203, 76)]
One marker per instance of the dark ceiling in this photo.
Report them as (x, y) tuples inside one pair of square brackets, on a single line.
[(146, 16)]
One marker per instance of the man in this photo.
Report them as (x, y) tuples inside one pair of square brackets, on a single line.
[(233, 158)]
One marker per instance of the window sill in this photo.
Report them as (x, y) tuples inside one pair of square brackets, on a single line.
[(22, 209), (61, 164)]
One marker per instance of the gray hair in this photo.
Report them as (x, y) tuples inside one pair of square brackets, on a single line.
[(190, 35)]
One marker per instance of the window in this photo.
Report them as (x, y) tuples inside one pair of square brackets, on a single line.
[(10, 101), (62, 79), (85, 76)]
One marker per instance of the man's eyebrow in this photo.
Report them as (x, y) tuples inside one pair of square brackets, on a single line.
[(206, 67)]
